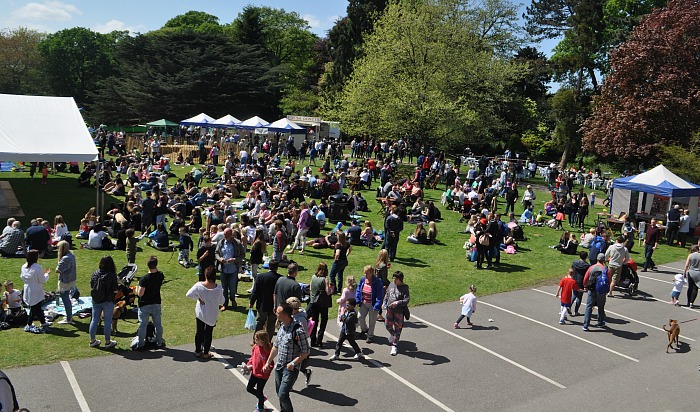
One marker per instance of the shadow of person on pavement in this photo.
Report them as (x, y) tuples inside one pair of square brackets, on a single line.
[(410, 349), (322, 395)]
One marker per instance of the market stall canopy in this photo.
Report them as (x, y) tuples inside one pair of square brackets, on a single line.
[(659, 181), (254, 122), (285, 126), (226, 121), (43, 129), (162, 123), (201, 119)]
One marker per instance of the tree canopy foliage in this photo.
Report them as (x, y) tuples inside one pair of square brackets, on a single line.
[(652, 95), (430, 70), (20, 61)]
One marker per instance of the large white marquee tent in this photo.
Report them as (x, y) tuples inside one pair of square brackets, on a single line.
[(43, 129)]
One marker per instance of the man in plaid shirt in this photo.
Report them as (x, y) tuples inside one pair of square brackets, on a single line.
[(11, 241), (291, 348)]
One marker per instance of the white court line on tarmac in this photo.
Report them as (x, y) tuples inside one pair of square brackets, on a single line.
[(658, 280), (240, 377), (402, 380), (560, 331), (624, 317), (76, 388), (670, 267), (487, 350)]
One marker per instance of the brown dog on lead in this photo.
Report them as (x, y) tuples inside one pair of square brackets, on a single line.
[(673, 333)]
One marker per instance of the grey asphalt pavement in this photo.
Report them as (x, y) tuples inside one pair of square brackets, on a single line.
[(522, 360)]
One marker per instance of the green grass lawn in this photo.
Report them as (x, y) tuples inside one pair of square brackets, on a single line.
[(435, 273)]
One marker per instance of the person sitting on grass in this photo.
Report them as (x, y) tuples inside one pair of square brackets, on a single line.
[(159, 238), (99, 238), (419, 236), (432, 232)]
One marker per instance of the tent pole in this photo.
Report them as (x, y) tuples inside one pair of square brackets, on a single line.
[(97, 188)]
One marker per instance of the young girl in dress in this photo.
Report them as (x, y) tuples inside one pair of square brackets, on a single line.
[(468, 303), (348, 292), (258, 359)]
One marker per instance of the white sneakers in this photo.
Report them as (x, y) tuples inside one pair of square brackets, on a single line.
[(358, 356), (65, 321), (332, 358), (111, 344), (394, 351), (95, 343)]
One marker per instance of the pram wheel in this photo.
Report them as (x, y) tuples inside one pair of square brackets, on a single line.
[(632, 289)]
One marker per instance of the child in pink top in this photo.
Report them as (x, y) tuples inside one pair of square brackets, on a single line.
[(566, 287), (348, 292), (258, 359)]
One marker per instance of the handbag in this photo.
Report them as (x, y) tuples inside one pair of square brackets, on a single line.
[(406, 313), (485, 239)]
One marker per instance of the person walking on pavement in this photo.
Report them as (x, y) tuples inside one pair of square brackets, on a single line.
[(229, 254), (149, 303), (291, 348), (692, 273), (580, 268), (319, 303), (287, 287), (369, 295), (616, 255), (651, 242), (393, 225), (396, 301), (263, 298), (595, 298)]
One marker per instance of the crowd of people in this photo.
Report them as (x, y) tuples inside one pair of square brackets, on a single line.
[(285, 209)]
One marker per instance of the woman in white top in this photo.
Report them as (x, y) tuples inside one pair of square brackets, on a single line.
[(59, 229), (209, 296), (34, 277)]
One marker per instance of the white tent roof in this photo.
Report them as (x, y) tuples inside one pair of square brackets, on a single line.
[(284, 125), (660, 181), (253, 123), (226, 121), (43, 129), (201, 119)]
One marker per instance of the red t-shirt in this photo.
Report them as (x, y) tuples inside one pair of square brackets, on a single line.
[(567, 285), (257, 360)]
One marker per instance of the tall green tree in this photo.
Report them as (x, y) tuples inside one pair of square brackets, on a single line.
[(568, 112), (197, 21), (20, 62), (166, 77), (76, 59), (408, 80)]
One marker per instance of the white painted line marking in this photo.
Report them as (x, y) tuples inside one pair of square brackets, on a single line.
[(240, 377), (624, 317), (487, 350), (560, 331), (76, 388), (670, 267), (402, 380), (666, 302), (658, 280)]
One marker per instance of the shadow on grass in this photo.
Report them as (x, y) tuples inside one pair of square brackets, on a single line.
[(410, 349), (509, 267), (412, 262), (331, 398)]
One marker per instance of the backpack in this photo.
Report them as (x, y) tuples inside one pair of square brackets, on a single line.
[(602, 285), (100, 293)]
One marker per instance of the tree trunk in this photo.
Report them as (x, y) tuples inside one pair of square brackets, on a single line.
[(564, 156)]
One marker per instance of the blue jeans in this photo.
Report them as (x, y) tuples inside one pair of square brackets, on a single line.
[(152, 311), (65, 298), (648, 251), (284, 382), (338, 268), (390, 244), (97, 310), (593, 298), (229, 282), (277, 255)]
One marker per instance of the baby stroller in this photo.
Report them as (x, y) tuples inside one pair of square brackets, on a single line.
[(126, 294), (629, 281)]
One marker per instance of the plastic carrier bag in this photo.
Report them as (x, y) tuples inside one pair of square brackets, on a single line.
[(250, 320)]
